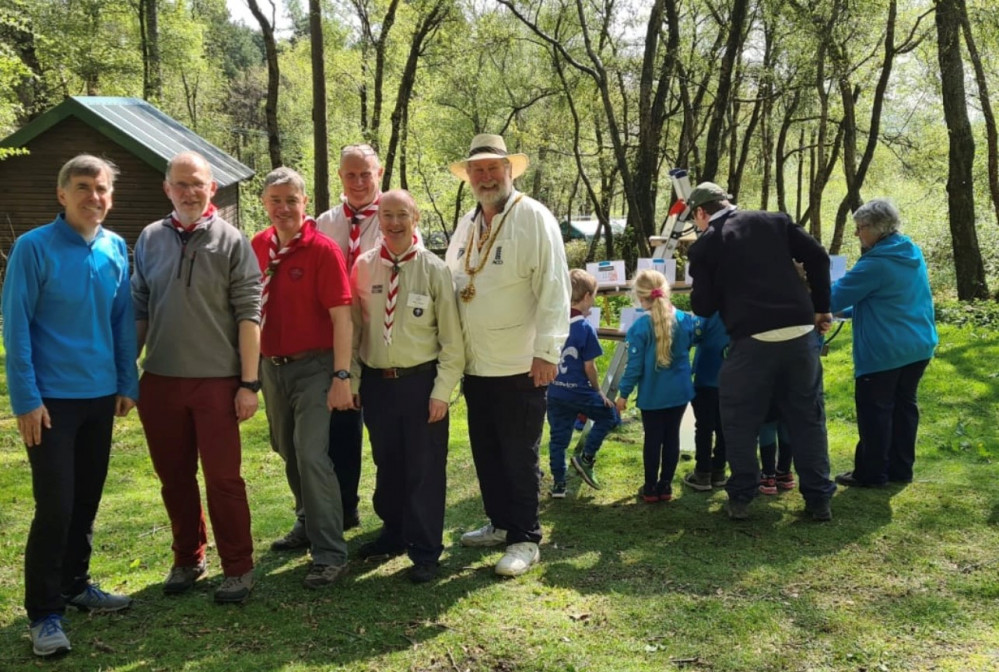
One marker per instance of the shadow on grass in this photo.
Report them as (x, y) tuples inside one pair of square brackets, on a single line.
[(689, 544)]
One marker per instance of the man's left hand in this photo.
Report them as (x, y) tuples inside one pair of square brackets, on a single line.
[(122, 405), (542, 372), (246, 404), (438, 409), (339, 398)]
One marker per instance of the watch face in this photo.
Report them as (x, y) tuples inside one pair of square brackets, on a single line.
[(342, 374)]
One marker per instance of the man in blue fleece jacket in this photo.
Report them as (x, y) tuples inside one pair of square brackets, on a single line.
[(70, 339)]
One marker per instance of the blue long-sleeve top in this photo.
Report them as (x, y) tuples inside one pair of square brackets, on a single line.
[(68, 325), (712, 339), (887, 293), (658, 387)]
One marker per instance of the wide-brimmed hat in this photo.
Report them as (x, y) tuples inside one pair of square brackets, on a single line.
[(703, 193), (487, 146)]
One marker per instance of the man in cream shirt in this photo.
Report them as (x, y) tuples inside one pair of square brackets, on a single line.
[(512, 283), (408, 358)]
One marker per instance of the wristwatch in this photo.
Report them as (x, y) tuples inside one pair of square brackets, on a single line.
[(251, 385), (342, 374)]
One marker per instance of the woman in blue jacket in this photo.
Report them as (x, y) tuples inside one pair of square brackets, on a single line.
[(887, 293)]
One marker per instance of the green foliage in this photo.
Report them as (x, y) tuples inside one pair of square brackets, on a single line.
[(983, 314)]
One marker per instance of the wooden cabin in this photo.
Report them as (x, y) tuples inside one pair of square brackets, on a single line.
[(136, 136)]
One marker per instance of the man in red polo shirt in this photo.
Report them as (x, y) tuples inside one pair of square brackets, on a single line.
[(305, 341)]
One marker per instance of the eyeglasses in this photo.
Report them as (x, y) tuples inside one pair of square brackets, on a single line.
[(364, 149), (184, 186), (856, 230)]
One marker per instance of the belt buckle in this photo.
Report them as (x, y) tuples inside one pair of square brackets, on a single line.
[(279, 361), (390, 373)]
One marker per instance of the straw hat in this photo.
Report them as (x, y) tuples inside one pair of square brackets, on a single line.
[(486, 146)]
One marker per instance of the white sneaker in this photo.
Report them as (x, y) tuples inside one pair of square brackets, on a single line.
[(518, 559), (487, 535)]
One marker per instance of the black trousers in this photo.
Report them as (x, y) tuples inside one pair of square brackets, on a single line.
[(887, 420), (708, 431), (411, 459), (67, 474), (506, 416), (787, 374), (346, 436), (661, 447)]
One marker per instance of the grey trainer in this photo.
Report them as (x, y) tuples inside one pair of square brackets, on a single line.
[(48, 637), (96, 600)]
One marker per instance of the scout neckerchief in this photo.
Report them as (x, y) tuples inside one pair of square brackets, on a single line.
[(275, 255), (207, 216), (357, 217), (396, 263)]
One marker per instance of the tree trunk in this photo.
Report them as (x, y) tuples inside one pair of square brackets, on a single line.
[(733, 47), (991, 135), (320, 135), (425, 29), (152, 73), (273, 81), (960, 186)]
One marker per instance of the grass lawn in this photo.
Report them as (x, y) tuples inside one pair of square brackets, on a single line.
[(902, 579)]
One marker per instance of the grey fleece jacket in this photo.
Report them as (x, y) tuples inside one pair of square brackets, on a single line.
[(193, 293)]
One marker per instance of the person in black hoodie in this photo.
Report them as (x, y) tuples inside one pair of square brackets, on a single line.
[(743, 266)]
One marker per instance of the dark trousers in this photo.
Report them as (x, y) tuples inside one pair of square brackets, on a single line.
[(561, 421), (411, 459), (887, 420), (788, 375), (68, 470), (661, 447), (506, 416), (346, 436), (708, 431), (186, 419)]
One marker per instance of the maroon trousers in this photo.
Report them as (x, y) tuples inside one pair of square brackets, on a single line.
[(185, 418)]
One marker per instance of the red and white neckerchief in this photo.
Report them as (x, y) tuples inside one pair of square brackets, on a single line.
[(207, 216), (396, 263), (357, 218), (275, 254)]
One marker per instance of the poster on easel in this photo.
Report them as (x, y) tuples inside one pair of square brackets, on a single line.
[(608, 273), (665, 266)]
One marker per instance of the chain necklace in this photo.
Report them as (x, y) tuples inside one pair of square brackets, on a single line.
[(468, 293)]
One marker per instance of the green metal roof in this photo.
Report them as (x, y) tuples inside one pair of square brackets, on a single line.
[(139, 127)]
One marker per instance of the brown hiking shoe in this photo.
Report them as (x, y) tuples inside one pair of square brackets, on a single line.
[(320, 576)]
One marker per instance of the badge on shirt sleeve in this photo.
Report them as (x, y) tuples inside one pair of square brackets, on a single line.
[(418, 301)]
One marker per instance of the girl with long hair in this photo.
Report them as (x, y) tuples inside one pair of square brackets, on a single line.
[(659, 345)]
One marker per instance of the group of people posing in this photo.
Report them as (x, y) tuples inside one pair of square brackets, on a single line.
[(347, 320)]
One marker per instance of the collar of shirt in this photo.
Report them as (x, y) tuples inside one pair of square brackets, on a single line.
[(723, 213)]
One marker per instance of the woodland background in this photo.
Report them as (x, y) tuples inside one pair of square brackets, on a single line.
[(807, 106)]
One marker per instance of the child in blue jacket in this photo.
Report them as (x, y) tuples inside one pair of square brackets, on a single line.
[(576, 390), (659, 345)]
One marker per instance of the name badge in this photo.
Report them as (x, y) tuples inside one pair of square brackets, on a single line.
[(418, 301)]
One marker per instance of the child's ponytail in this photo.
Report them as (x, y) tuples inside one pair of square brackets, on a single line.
[(652, 287)]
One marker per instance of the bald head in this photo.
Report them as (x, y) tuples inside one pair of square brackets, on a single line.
[(397, 219)]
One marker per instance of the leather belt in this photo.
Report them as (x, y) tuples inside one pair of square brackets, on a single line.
[(281, 360), (398, 372)]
